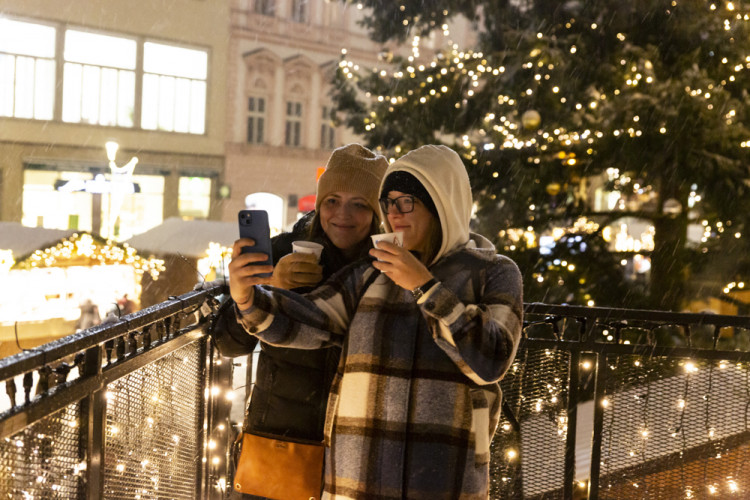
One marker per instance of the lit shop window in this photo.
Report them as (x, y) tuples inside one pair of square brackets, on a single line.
[(92, 202), (174, 88), (27, 69), (98, 79), (195, 197), (46, 205)]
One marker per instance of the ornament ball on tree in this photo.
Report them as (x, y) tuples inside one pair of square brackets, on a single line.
[(531, 119)]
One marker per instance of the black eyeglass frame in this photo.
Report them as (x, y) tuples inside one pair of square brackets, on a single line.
[(387, 203)]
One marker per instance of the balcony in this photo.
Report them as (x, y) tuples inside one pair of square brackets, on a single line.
[(600, 403)]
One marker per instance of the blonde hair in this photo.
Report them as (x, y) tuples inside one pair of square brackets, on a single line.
[(434, 241)]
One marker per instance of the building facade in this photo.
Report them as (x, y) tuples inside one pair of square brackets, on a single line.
[(282, 57), (148, 76), (225, 104)]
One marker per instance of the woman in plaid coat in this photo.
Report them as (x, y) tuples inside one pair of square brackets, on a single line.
[(427, 331)]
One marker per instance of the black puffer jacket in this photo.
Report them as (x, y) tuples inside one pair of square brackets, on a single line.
[(291, 388)]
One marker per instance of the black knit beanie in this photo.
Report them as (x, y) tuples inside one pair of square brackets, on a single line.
[(407, 183)]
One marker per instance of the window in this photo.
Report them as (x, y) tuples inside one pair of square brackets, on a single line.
[(265, 7), (195, 197), (299, 11), (293, 123), (327, 132), (64, 200), (256, 113), (331, 14), (98, 79), (174, 88), (44, 205), (27, 69)]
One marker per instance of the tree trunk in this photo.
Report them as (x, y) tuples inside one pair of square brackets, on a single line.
[(669, 274), (669, 269)]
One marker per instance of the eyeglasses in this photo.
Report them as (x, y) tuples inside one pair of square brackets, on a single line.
[(404, 204)]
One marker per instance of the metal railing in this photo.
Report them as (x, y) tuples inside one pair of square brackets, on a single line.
[(122, 410), (600, 403), (617, 403)]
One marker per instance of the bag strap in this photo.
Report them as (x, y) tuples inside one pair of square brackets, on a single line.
[(236, 450)]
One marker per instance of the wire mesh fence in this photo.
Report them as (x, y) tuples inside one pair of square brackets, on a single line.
[(620, 404), (153, 429), (44, 460)]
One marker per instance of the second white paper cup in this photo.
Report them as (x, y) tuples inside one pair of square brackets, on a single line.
[(307, 247), (396, 238)]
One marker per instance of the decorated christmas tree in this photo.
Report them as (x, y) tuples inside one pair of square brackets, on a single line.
[(580, 122)]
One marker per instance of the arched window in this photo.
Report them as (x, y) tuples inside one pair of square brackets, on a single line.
[(272, 204), (260, 74), (299, 74)]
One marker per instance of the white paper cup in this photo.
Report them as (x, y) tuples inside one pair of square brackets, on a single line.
[(397, 238), (307, 247)]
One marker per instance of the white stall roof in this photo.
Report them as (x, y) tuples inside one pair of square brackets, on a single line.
[(23, 240), (184, 237)]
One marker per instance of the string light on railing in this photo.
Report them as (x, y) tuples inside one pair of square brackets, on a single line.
[(690, 367), (221, 484), (732, 485)]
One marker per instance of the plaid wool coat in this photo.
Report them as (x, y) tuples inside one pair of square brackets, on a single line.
[(416, 399)]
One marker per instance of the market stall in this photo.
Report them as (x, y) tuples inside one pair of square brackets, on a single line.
[(50, 277)]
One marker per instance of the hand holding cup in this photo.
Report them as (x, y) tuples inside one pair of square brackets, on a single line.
[(300, 268)]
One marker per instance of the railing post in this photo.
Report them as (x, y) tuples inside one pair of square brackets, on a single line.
[(93, 408), (570, 439), (600, 382)]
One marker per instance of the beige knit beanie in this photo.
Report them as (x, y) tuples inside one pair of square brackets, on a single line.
[(354, 169)]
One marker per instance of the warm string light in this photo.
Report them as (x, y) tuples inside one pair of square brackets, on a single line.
[(501, 128), (217, 259), (438, 76), (474, 66), (734, 286), (84, 246), (6, 260)]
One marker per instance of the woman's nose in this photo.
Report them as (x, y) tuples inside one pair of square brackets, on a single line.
[(344, 209)]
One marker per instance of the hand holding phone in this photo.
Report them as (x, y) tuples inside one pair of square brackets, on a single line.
[(254, 226), (252, 262)]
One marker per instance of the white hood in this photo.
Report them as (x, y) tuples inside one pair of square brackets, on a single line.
[(443, 174)]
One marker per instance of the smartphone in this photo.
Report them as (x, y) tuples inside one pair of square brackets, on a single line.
[(254, 225)]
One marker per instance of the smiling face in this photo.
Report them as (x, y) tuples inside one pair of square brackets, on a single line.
[(346, 219), (416, 225)]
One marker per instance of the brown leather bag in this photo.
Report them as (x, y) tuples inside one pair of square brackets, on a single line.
[(282, 469)]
